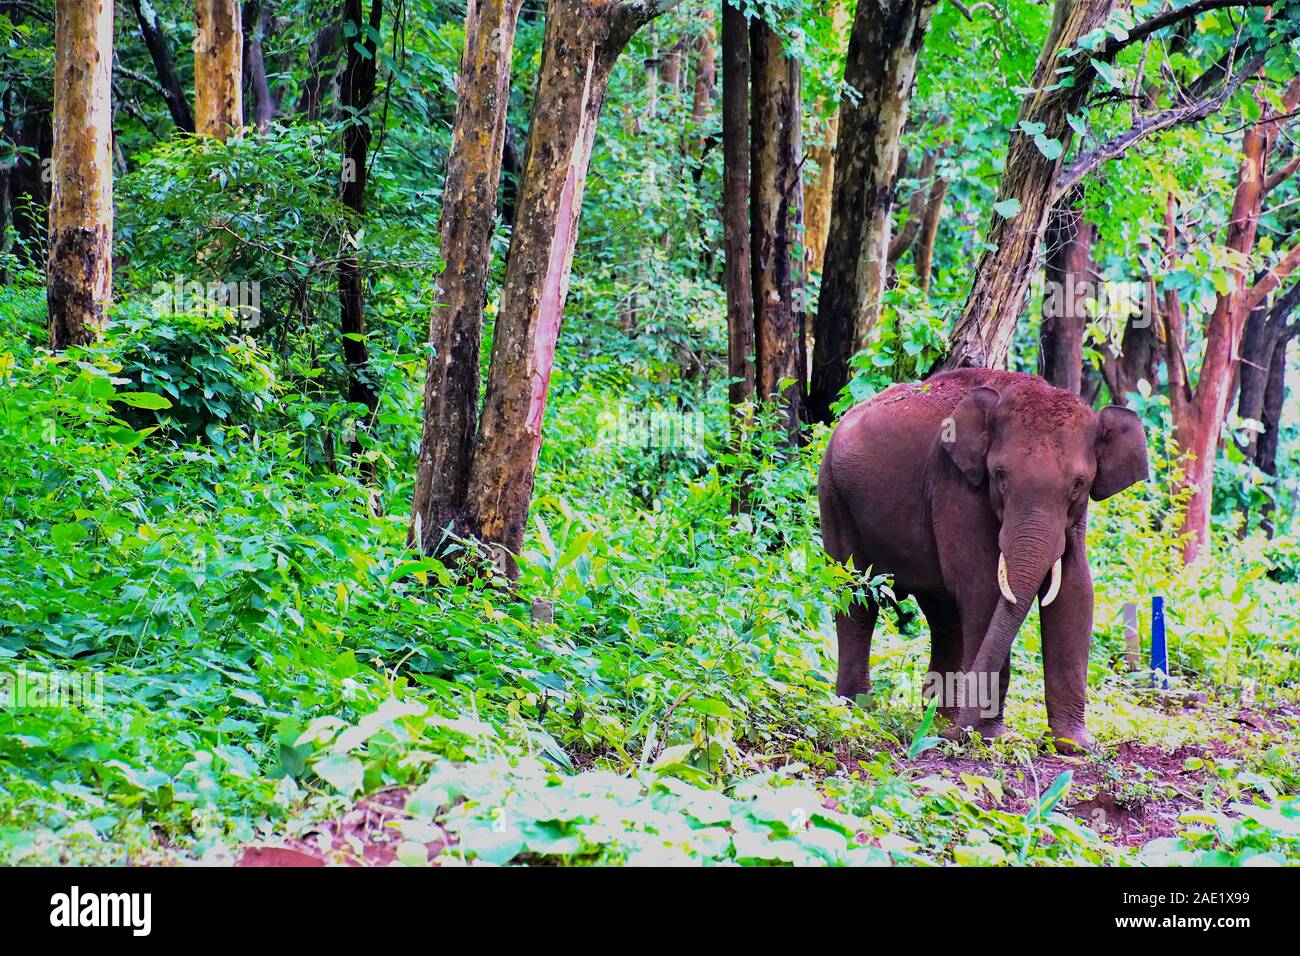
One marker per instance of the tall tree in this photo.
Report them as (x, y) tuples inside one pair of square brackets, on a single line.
[(80, 267), (218, 67), (735, 204), (581, 42), (775, 224), (469, 205), (160, 51), (884, 43), (706, 73), (1199, 412), (356, 91)]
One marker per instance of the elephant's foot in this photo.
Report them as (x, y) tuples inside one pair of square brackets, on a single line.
[(1072, 740)]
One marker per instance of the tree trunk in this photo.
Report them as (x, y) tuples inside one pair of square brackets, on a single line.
[(218, 68), (735, 204), (881, 65), (79, 284), (982, 336), (818, 188), (1271, 416), (1262, 373), (706, 73), (917, 203), (1138, 360), (581, 42), (321, 62), (1065, 312), (32, 132), (469, 205), (1258, 339), (357, 90), (774, 225), (160, 52), (255, 19), (924, 256)]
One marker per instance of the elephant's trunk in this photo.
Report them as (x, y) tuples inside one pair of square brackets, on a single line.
[(1031, 549)]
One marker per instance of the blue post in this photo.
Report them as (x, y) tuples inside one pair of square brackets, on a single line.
[(1159, 649)]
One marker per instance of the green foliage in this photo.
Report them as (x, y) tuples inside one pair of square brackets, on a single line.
[(183, 525)]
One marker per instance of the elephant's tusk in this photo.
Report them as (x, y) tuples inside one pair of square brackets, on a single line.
[(1003, 584), (1054, 588)]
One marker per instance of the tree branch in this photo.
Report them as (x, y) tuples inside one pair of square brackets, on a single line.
[(1171, 17), (1281, 175), (1257, 293), (1085, 163)]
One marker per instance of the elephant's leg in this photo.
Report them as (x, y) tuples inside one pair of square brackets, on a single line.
[(1067, 637), (945, 651), (983, 705), (853, 628)]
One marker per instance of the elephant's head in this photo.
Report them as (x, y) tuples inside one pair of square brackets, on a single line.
[(1041, 453)]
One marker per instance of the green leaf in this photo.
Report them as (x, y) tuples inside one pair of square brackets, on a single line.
[(1007, 208), (148, 400), (921, 742), (66, 534), (1051, 148), (341, 772), (1107, 73)]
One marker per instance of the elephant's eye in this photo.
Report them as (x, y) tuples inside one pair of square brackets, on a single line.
[(1000, 475), (1076, 487)]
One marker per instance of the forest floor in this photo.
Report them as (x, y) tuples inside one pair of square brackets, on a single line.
[(1129, 791)]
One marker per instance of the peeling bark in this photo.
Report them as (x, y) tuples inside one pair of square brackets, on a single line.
[(79, 274), (884, 45), (819, 185), (451, 384), (817, 190), (582, 41), (218, 68), (1198, 416)]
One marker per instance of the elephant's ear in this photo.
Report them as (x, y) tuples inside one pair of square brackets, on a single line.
[(965, 435), (1121, 452)]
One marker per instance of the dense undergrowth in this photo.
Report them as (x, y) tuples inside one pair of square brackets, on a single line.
[(176, 516)]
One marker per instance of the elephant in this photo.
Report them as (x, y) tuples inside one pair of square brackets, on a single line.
[(971, 490)]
